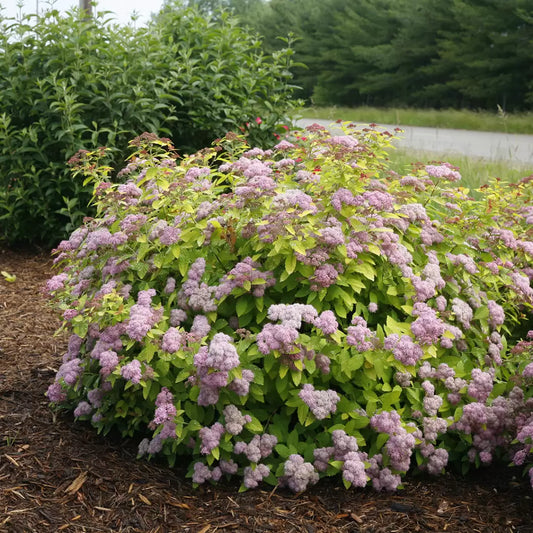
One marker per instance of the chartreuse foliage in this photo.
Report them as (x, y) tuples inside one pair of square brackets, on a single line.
[(299, 312), (70, 83)]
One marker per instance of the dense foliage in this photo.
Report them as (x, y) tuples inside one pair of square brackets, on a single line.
[(421, 53), (68, 83), (286, 314)]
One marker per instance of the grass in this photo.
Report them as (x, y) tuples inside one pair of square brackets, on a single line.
[(475, 171), (445, 118)]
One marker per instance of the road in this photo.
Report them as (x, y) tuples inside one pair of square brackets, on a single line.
[(489, 145)]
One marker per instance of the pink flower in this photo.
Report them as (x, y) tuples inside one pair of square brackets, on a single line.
[(404, 349), (298, 473), (359, 335), (132, 371), (322, 403)]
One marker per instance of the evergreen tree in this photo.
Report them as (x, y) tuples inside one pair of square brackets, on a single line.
[(487, 52)]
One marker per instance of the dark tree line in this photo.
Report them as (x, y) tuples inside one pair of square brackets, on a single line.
[(424, 53)]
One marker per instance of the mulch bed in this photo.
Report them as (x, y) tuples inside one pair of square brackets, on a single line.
[(59, 475)]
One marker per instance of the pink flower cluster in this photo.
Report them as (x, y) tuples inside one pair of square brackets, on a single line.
[(172, 340), (400, 444), (254, 475), (165, 408), (427, 328), (276, 337), (194, 294), (298, 474), (444, 171), (210, 437), (404, 349), (260, 447), (322, 403), (234, 419), (132, 371), (359, 335), (221, 354), (142, 316), (246, 271)]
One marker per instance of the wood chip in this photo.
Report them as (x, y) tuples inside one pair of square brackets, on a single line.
[(16, 492), (144, 499), (18, 511), (76, 485), (9, 458), (179, 504), (443, 507)]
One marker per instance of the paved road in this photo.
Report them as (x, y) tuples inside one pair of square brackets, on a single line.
[(494, 146)]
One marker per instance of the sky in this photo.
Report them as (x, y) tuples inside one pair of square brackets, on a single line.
[(123, 9)]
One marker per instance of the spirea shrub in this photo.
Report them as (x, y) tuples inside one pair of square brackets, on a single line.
[(69, 83), (287, 314)]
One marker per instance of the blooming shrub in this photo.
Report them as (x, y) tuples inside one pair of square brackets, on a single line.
[(286, 314)]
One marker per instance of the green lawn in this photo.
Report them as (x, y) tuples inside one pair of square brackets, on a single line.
[(446, 118)]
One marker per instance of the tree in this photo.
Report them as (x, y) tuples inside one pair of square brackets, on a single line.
[(403, 77), (352, 50), (488, 52), (86, 6)]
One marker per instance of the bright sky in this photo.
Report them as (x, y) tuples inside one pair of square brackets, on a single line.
[(123, 9)]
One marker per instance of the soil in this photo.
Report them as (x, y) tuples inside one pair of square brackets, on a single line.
[(59, 475)]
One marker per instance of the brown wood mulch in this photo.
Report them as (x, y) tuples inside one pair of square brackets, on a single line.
[(58, 475)]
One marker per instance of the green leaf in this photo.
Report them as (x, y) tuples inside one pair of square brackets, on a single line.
[(242, 306), (390, 398), (298, 247), (8, 277), (481, 313), (381, 439), (176, 250), (290, 263), (360, 421), (353, 362), (367, 270), (303, 411), (282, 388), (282, 451), (255, 425), (146, 389), (183, 266), (162, 367), (292, 440), (340, 308)]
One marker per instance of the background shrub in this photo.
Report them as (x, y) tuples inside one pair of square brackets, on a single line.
[(68, 83), (287, 314)]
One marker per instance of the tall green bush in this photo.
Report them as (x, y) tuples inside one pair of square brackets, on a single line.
[(68, 83)]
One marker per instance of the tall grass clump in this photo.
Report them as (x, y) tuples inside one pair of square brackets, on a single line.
[(69, 83), (475, 171), (281, 315)]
